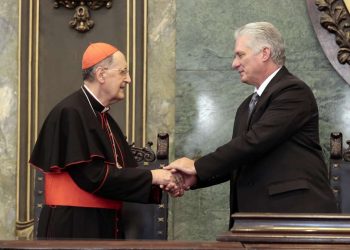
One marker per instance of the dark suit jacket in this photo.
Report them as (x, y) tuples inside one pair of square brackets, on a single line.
[(274, 159)]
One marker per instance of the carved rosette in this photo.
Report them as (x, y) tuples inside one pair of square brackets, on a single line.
[(335, 18), (81, 20), (346, 155), (145, 154)]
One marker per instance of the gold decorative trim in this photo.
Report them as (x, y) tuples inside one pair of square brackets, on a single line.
[(127, 99), (289, 228), (36, 79), (19, 58), (27, 120), (29, 93), (144, 97), (347, 4), (135, 115), (335, 18), (134, 62), (81, 20)]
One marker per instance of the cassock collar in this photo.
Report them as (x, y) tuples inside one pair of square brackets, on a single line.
[(95, 103)]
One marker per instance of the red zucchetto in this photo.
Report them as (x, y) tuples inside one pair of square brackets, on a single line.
[(95, 53)]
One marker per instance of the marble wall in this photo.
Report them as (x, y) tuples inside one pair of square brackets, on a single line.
[(8, 116), (208, 92), (161, 69), (192, 92), (161, 75)]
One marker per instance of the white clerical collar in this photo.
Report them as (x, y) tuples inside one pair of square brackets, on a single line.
[(262, 87), (105, 108)]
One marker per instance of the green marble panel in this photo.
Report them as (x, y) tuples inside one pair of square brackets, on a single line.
[(208, 92), (161, 76), (161, 69), (8, 117)]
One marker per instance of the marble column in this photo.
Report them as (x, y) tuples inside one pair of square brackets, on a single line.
[(8, 116), (161, 76)]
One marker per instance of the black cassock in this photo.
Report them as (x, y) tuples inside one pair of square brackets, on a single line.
[(73, 140)]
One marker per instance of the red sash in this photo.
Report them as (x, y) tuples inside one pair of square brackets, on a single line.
[(61, 190)]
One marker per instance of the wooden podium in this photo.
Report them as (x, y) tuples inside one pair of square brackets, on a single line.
[(258, 231), (290, 231)]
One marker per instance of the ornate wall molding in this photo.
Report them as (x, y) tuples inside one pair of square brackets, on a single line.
[(27, 105), (335, 18), (145, 154), (330, 17), (81, 20)]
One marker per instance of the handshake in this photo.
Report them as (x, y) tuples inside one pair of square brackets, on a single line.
[(177, 177)]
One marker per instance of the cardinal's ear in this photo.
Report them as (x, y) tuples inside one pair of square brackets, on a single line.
[(100, 74)]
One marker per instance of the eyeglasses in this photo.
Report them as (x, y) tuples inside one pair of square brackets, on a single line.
[(123, 72)]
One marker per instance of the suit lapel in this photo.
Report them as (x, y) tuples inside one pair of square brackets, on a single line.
[(264, 97), (241, 120)]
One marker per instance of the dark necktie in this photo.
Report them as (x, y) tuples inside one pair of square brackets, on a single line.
[(253, 102)]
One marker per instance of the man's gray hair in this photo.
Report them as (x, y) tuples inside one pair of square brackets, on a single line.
[(264, 34)]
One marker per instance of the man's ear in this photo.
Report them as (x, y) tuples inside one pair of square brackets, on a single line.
[(266, 53), (99, 74)]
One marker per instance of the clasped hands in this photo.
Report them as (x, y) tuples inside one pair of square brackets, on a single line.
[(177, 177)]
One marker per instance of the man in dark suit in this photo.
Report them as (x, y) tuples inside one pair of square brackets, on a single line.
[(274, 160)]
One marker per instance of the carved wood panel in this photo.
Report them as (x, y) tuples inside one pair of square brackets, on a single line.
[(331, 22)]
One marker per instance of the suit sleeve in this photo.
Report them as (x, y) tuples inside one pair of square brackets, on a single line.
[(285, 113)]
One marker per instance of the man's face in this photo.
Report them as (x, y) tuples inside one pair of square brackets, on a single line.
[(116, 78), (247, 62)]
